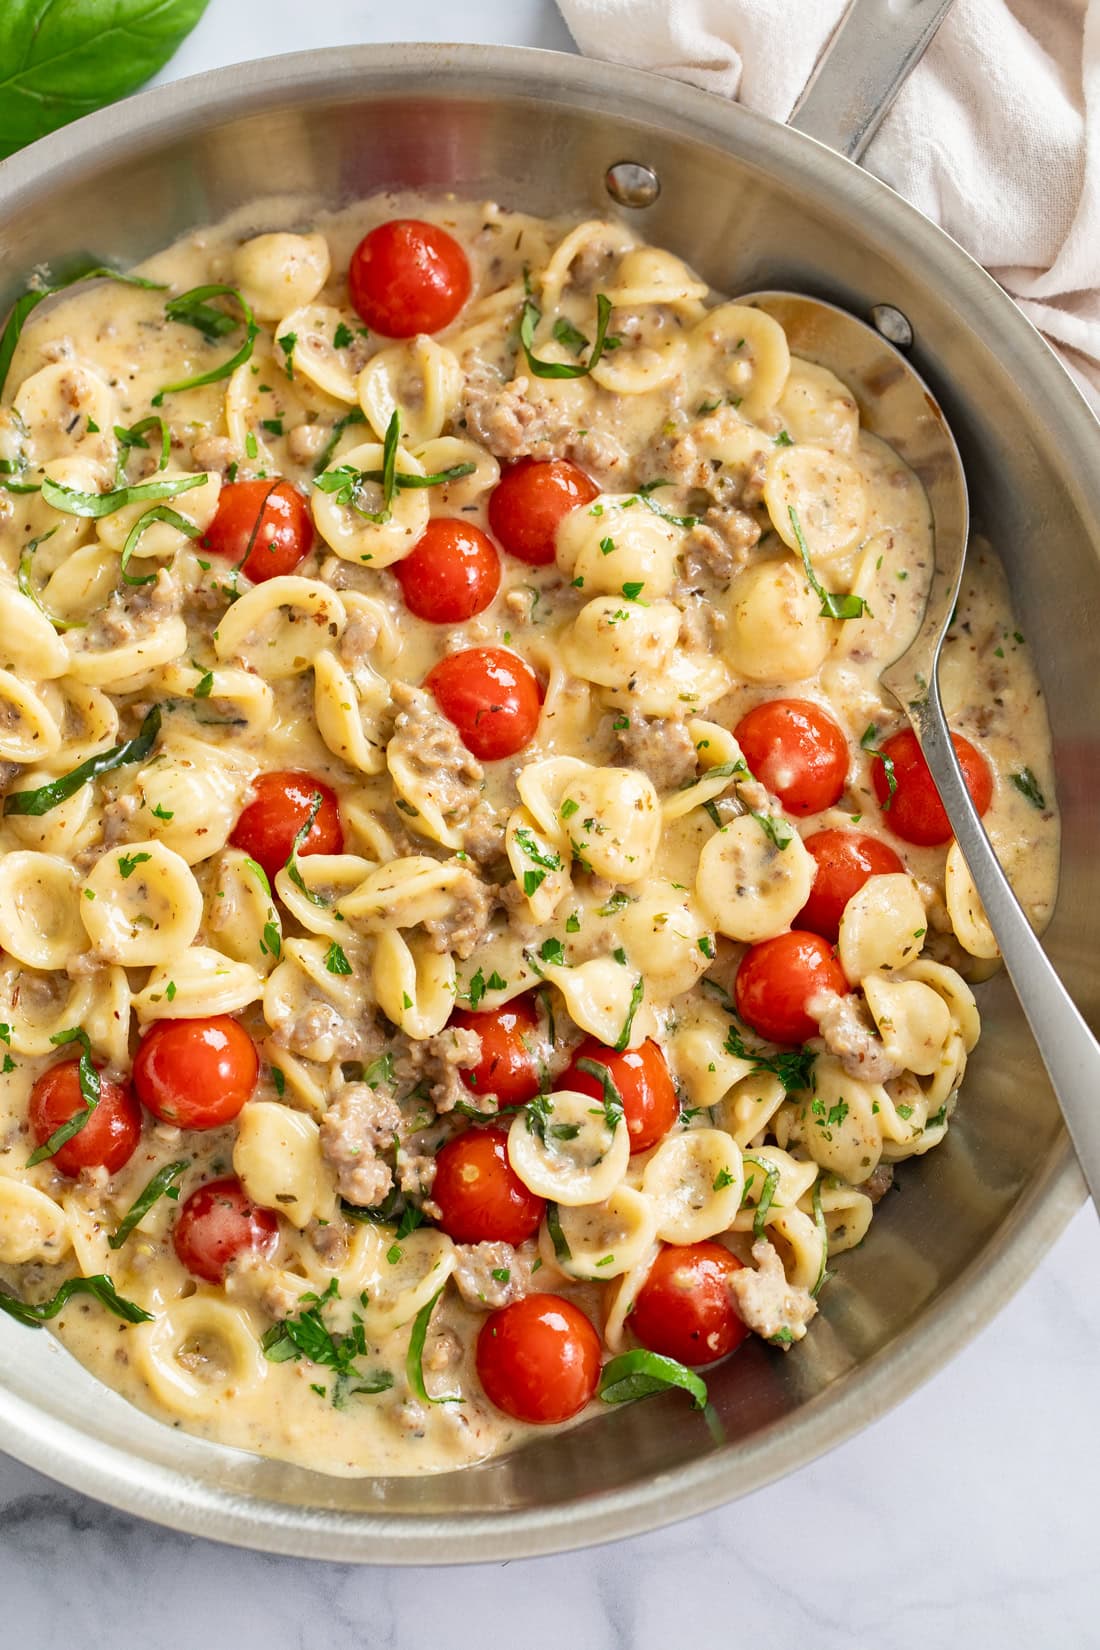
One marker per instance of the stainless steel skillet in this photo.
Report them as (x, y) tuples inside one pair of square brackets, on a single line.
[(753, 206)]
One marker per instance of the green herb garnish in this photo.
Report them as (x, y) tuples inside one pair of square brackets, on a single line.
[(154, 1191), (642, 1374), (530, 319), (191, 307), (833, 606), (46, 797)]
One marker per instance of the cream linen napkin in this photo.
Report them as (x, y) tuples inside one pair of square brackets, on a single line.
[(996, 135)]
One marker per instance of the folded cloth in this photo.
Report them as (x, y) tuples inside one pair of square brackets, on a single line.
[(996, 134)]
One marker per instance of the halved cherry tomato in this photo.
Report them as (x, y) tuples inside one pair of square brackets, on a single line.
[(263, 526), (196, 1074), (641, 1075), (796, 750), (845, 859), (451, 572), (778, 977), (915, 811), (684, 1309), (531, 499), (281, 804), (408, 276), (482, 1198), (492, 697), (539, 1359), (107, 1140), (217, 1224), (507, 1066)]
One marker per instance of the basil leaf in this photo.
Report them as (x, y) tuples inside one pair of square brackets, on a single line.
[(867, 743), (41, 801), (824, 1274), (612, 1099), (792, 1066), (833, 606), (636, 996), (562, 1250), (159, 512), (61, 61), (88, 1079), (141, 1205), (530, 319), (94, 505), (134, 436), (355, 416), (641, 1374), (767, 1193), (82, 271), (192, 304), (23, 579), (99, 1285), (404, 482), (775, 829), (300, 836), (1027, 785), (346, 483), (414, 1358), (659, 509)]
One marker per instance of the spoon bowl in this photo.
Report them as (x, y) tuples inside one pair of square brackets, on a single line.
[(897, 405)]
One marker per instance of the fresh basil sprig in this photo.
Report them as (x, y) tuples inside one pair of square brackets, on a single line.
[(530, 319), (833, 606), (90, 1090), (192, 309), (414, 1358), (641, 1374), (28, 301), (71, 502), (38, 802), (159, 512), (99, 1285), (154, 1191)]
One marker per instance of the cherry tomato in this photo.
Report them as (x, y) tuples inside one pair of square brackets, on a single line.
[(107, 1140), (507, 1066), (263, 526), (492, 697), (915, 812), (539, 1359), (408, 276), (218, 1223), (684, 1309), (451, 573), (845, 859), (281, 804), (482, 1198), (529, 501), (776, 980), (796, 750), (641, 1076), (196, 1073)]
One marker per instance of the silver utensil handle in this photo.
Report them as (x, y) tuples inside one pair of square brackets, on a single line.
[(876, 45), (1068, 1048)]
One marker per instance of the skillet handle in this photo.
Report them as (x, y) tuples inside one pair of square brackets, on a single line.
[(876, 46)]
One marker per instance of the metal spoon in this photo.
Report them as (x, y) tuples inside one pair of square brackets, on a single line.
[(907, 415)]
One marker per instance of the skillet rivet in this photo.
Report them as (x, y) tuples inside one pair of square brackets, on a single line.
[(892, 324), (632, 184)]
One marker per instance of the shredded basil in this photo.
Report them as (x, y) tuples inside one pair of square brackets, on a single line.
[(767, 1193), (308, 1336), (833, 606), (636, 996), (355, 416), (134, 436), (562, 1250), (300, 836), (99, 1285), (530, 319), (612, 1098), (345, 484), (88, 1079), (154, 1191), (1027, 785), (414, 1359), (38, 802), (867, 743), (159, 512), (94, 505), (641, 1374), (819, 1221), (23, 579), (191, 307), (775, 829), (650, 487)]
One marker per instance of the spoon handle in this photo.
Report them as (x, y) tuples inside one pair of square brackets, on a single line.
[(1068, 1048)]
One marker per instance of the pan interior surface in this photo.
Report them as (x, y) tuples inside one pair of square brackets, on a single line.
[(750, 206)]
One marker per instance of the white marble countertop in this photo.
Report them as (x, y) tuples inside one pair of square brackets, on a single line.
[(967, 1514)]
